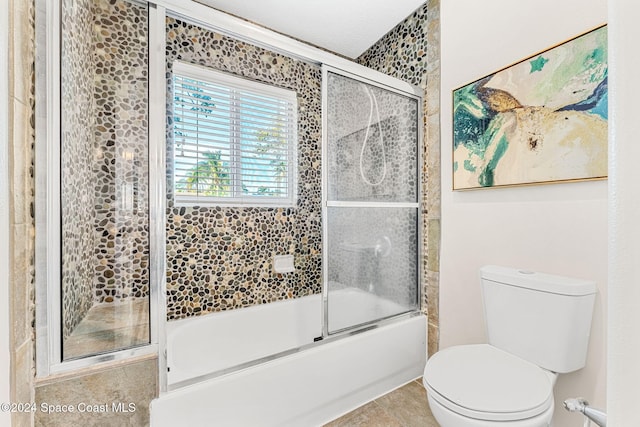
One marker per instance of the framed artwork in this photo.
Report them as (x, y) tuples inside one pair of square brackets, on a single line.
[(540, 120)]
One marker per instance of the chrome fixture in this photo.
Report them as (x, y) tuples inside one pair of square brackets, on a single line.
[(579, 404)]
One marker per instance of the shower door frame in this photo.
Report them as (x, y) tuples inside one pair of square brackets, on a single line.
[(416, 95), (198, 13), (48, 310)]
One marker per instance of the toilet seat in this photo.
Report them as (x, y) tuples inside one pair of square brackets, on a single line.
[(486, 383)]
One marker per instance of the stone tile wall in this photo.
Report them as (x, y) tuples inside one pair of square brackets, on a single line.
[(21, 133), (77, 124), (134, 381), (220, 258), (411, 52), (129, 385)]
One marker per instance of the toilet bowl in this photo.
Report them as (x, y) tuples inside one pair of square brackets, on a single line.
[(538, 325), (483, 386)]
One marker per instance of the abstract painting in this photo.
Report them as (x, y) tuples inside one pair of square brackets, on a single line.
[(541, 120)]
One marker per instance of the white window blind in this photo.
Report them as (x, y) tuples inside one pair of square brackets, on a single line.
[(234, 139)]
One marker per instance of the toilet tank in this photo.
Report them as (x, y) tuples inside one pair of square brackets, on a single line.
[(539, 317)]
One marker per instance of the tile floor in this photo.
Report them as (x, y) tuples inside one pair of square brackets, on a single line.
[(108, 327), (404, 407)]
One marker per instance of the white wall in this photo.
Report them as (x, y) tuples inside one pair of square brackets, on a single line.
[(624, 234), (559, 228)]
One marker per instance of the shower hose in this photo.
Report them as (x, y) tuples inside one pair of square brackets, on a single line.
[(373, 102)]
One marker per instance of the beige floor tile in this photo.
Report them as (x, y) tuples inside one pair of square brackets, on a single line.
[(404, 407), (369, 415), (409, 406), (108, 327)]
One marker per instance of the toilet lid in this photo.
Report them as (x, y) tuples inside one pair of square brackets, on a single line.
[(484, 382)]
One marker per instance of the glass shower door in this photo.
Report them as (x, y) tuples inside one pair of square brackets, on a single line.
[(371, 202), (104, 177)]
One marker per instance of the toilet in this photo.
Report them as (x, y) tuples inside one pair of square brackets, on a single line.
[(538, 326)]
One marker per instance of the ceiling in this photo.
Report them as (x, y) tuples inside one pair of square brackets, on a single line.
[(346, 27)]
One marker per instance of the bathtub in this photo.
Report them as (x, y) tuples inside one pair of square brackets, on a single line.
[(222, 369)]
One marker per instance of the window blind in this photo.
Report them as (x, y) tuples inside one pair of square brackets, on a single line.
[(234, 139)]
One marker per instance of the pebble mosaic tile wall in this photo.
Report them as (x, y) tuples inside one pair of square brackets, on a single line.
[(402, 52), (220, 258), (121, 165), (77, 115)]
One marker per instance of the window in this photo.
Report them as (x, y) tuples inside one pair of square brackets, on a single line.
[(234, 140)]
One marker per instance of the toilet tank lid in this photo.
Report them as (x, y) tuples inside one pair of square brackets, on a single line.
[(538, 281)]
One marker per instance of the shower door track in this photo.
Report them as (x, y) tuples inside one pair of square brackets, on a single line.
[(199, 13), (341, 204)]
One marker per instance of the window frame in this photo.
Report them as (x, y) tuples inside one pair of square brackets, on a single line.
[(235, 82)]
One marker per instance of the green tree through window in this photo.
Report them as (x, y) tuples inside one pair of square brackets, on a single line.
[(235, 139)]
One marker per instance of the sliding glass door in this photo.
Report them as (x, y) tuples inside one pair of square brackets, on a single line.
[(371, 202)]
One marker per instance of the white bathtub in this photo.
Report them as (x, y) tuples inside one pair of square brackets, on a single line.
[(302, 388)]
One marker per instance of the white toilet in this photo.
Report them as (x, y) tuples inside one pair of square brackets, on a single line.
[(538, 326)]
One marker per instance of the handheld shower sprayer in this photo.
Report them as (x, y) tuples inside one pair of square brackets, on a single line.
[(373, 102)]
